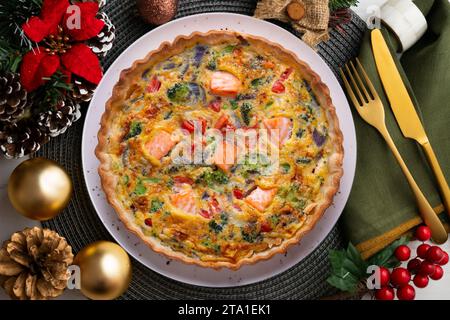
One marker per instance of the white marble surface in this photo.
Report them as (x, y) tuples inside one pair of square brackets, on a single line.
[(11, 221)]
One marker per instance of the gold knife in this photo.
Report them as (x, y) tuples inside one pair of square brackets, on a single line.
[(404, 110)]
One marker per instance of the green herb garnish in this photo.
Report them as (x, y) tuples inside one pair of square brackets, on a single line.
[(246, 108), (155, 205), (303, 160), (285, 167), (228, 49), (269, 104), (140, 188), (135, 129), (257, 82), (214, 226)]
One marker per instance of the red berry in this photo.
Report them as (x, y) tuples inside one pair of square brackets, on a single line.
[(435, 254), (148, 222), (422, 250), (444, 259), (385, 293), (427, 268), (384, 276), (423, 233), (414, 265), (402, 252), (438, 273), (406, 292), (400, 277), (420, 281)]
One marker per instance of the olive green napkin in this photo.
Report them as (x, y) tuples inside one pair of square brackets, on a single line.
[(381, 206)]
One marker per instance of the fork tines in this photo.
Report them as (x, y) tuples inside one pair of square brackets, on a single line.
[(361, 90)]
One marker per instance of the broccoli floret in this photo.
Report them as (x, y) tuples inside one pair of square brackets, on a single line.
[(246, 108), (135, 129), (179, 93), (211, 178), (156, 205)]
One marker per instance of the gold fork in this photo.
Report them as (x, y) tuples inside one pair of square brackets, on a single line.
[(370, 108)]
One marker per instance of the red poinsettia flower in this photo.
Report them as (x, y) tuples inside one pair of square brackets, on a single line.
[(61, 43)]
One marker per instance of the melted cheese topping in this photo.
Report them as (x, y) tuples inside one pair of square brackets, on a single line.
[(214, 211)]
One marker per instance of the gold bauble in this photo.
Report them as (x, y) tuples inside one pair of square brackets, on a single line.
[(39, 189), (105, 270)]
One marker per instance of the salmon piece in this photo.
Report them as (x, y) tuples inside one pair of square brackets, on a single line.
[(284, 125), (185, 199), (224, 84), (160, 145), (225, 156), (260, 199)]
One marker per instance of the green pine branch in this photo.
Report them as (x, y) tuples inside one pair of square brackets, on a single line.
[(10, 56), (52, 92), (13, 14), (341, 4)]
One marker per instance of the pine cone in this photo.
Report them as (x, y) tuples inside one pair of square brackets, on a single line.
[(55, 121), (33, 264), (82, 91), (13, 97), (20, 138), (101, 44)]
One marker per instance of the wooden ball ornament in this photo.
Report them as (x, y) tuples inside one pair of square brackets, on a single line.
[(39, 189), (105, 270), (295, 10), (157, 12)]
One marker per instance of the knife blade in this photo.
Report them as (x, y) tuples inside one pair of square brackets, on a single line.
[(401, 103), (403, 108)]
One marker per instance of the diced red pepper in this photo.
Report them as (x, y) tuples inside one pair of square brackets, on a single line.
[(222, 122), (180, 179), (189, 125), (154, 85), (148, 222), (266, 227), (286, 74), (205, 214), (214, 206), (238, 193), (215, 105), (204, 124), (278, 87), (237, 207)]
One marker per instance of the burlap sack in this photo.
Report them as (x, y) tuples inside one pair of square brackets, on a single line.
[(313, 26)]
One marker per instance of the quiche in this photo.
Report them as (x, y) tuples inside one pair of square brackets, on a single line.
[(220, 149)]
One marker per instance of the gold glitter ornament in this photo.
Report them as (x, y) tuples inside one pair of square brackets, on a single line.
[(157, 12)]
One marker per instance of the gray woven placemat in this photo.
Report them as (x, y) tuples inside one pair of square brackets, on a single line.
[(80, 224)]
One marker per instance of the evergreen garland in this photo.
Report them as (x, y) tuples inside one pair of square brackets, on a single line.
[(341, 4), (14, 44), (13, 13)]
